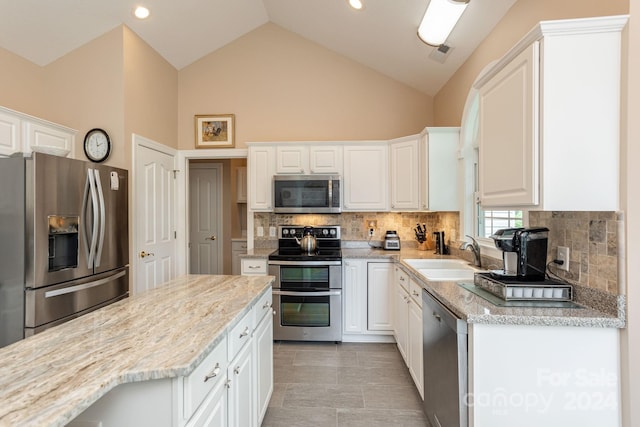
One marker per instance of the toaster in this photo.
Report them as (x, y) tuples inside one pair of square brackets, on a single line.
[(391, 241)]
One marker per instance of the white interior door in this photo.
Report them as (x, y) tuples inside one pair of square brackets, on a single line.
[(205, 203), (154, 192)]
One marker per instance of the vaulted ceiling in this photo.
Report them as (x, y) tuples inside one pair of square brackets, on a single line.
[(381, 36)]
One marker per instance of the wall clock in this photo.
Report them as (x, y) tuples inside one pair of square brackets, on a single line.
[(97, 145)]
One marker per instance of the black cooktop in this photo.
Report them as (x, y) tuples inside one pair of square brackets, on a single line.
[(295, 254)]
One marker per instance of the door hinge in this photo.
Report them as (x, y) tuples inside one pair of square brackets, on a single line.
[(175, 234), (175, 172)]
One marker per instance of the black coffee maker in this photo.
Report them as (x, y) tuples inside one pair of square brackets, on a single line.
[(524, 253)]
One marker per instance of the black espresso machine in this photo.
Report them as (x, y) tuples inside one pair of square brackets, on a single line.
[(524, 253)]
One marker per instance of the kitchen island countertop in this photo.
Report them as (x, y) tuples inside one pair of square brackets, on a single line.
[(50, 378)]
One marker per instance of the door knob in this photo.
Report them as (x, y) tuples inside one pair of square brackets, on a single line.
[(210, 238), (146, 254)]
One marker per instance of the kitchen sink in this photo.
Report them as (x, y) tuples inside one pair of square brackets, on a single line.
[(449, 264), (442, 274)]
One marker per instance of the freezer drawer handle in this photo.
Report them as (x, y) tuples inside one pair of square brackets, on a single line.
[(76, 288)]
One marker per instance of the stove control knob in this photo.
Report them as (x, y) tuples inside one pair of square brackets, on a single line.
[(293, 231), (325, 231), (333, 232), (285, 231)]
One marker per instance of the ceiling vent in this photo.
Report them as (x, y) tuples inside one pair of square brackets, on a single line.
[(441, 53)]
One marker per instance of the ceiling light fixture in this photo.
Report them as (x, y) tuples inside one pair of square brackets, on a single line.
[(141, 12), (356, 4), (439, 19)]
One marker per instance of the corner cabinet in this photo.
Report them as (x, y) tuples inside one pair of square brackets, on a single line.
[(549, 123), (439, 170), (21, 133), (366, 171)]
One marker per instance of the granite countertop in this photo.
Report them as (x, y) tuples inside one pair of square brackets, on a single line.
[(475, 309), (50, 378)]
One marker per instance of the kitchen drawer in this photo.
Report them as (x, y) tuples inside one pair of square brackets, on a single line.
[(213, 411), (253, 266), (263, 307), (202, 380), (415, 290), (240, 334), (402, 278)]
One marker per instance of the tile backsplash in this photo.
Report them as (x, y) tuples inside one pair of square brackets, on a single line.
[(354, 224), (594, 240)]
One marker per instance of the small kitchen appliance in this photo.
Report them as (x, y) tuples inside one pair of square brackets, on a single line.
[(391, 241), (524, 253)]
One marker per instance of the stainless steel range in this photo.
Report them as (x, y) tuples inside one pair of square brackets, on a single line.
[(307, 294)]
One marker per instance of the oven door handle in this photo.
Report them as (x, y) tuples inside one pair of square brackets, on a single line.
[(307, 294)]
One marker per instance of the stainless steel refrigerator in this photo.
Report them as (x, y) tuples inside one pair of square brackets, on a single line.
[(64, 248)]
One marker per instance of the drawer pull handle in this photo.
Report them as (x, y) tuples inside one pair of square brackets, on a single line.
[(213, 373), (245, 332), (237, 370), (253, 266), (415, 294), (266, 305), (437, 316)]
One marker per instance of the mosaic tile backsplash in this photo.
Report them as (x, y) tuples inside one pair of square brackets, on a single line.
[(354, 225), (594, 240)]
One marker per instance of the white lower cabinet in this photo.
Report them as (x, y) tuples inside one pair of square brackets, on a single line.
[(231, 387), (367, 303), (253, 266), (408, 325), (241, 397), (379, 296)]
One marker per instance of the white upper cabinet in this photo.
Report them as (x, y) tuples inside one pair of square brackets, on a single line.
[(10, 139), (325, 159), (439, 168), (292, 159), (366, 172), (549, 125), (261, 166), (405, 173), (23, 133), (316, 158)]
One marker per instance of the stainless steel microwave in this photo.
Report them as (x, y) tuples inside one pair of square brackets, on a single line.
[(306, 193)]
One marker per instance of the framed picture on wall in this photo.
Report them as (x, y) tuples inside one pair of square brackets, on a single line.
[(215, 131)]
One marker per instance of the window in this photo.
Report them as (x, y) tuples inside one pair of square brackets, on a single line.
[(489, 221)]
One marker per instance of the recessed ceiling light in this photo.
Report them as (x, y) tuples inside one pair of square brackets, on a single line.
[(141, 12), (356, 4)]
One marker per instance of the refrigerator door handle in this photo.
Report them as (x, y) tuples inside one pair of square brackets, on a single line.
[(76, 288), (103, 218), (84, 220), (94, 226)]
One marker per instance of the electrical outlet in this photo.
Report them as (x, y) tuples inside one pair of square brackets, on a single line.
[(371, 232), (272, 231), (260, 231), (563, 255)]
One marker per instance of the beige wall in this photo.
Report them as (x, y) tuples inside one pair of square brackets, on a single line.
[(21, 85), (522, 17), (85, 90), (150, 93), (283, 87)]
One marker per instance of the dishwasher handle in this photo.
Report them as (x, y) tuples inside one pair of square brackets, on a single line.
[(442, 313)]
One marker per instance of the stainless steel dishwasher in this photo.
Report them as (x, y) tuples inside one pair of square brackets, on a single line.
[(445, 364)]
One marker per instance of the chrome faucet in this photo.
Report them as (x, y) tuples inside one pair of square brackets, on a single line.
[(475, 248)]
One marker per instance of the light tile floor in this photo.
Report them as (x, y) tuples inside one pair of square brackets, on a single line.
[(348, 384)]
